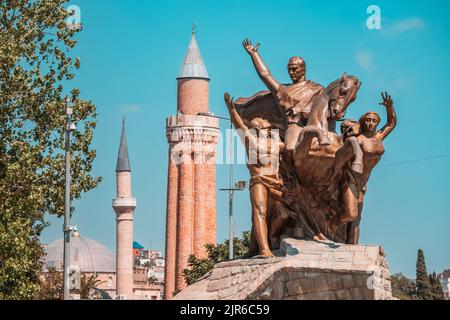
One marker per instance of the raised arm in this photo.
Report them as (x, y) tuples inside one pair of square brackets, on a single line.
[(237, 120), (263, 71), (391, 116)]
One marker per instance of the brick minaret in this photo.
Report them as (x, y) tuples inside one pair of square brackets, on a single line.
[(191, 185), (124, 206)]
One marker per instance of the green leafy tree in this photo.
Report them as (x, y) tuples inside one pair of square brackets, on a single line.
[(35, 63), (403, 288), (51, 285), (216, 253), (423, 289), (436, 287), (88, 287)]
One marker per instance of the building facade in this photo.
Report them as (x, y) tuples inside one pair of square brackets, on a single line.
[(89, 257), (444, 278)]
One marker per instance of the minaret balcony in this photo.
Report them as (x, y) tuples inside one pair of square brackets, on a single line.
[(124, 204)]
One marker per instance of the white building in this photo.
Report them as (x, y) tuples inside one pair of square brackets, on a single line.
[(444, 278)]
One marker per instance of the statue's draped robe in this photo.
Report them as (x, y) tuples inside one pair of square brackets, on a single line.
[(295, 100), (291, 104)]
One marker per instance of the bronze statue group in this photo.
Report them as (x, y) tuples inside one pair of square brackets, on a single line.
[(306, 180)]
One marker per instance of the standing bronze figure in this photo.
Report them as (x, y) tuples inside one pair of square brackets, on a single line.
[(353, 184), (265, 184)]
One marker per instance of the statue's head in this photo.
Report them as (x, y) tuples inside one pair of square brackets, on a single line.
[(260, 124), (369, 122), (341, 93), (296, 69)]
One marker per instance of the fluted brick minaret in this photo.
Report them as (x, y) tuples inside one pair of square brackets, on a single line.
[(124, 206), (191, 184)]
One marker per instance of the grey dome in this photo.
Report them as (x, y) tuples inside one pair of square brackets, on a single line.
[(89, 255)]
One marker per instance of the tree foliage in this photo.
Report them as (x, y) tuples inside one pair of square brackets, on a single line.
[(35, 64), (423, 289), (437, 293), (216, 253), (52, 286), (88, 287), (403, 288)]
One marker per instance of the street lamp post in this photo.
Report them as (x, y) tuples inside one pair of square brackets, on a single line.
[(238, 186), (230, 188), (66, 227)]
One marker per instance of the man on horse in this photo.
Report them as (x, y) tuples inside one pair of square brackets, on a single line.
[(294, 100)]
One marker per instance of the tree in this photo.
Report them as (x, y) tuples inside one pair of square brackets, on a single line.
[(403, 288), (35, 63), (423, 289), (51, 285), (216, 253), (437, 292), (88, 287)]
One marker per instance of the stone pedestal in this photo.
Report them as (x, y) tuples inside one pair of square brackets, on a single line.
[(302, 270)]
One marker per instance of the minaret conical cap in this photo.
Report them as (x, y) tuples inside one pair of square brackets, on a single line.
[(123, 161), (193, 65)]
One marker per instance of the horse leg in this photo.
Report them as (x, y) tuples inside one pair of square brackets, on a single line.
[(302, 147), (319, 134), (357, 164), (291, 138), (318, 120), (278, 220), (350, 151)]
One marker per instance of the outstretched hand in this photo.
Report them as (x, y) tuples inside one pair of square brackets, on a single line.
[(387, 100), (229, 101), (249, 47)]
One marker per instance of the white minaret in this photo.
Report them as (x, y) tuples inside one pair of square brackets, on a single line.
[(124, 206)]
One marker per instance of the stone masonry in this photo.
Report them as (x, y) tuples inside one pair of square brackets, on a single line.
[(191, 188), (304, 270)]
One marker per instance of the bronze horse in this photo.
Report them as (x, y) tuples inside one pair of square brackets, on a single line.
[(318, 141)]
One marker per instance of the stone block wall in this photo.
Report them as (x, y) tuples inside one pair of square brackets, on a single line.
[(305, 270)]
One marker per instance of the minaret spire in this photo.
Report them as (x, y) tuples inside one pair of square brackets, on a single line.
[(193, 65), (123, 161)]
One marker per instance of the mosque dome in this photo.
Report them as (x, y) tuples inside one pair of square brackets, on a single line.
[(89, 255)]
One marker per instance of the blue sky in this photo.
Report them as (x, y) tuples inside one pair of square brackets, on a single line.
[(131, 52)]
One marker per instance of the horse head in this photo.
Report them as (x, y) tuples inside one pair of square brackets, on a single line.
[(340, 94)]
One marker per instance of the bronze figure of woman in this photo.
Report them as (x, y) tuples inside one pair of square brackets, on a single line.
[(353, 184)]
